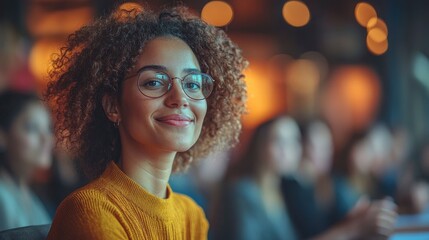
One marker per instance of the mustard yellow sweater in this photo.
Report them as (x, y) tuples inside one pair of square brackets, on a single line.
[(115, 207)]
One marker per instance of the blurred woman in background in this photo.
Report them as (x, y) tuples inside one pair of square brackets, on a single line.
[(26, 144), (251, 205), (316, 199)]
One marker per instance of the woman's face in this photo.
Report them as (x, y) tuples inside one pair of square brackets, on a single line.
[(320, 147), (285, 148), (172, 122), (29, 141), (362, 156)]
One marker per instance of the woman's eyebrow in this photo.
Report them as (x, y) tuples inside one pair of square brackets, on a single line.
[(191, 70), (164, 69), (153, 67)]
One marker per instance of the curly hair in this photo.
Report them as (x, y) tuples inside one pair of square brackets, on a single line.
[(95, 61)]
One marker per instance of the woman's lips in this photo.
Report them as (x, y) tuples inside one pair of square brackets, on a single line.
[(176, 120)]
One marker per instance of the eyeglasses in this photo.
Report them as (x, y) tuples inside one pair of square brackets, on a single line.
[(155, 84)]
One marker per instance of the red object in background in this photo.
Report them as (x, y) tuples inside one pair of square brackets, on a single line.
[(22, 79)]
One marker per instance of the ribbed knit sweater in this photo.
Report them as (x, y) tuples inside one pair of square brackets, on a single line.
[(115, 207)]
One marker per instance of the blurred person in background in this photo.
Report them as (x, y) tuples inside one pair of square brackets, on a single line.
[(251, 204), (355, 164), (366, 159), (26, 144), (391, 174), (413, 186), (421, 187), (316, 199), (321, 205), (139, 95), (53, 185)]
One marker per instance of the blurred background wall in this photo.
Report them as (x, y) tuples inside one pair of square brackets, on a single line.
[(354, 62)]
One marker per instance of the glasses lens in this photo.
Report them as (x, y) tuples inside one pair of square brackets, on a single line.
[(153, 84), (198, 85)]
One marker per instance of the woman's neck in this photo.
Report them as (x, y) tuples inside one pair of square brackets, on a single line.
[(151, 171)]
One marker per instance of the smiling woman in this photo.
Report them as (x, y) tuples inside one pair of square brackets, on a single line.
[(139, 95)]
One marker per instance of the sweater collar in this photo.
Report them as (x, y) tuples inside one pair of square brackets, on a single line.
[(151, 204)]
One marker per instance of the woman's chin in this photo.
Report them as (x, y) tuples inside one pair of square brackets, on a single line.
[(184, 146)]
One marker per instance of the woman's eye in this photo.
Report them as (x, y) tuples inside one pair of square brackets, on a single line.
[(153, 83), (192, 86)]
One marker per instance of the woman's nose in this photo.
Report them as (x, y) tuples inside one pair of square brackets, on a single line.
[(176, 97)]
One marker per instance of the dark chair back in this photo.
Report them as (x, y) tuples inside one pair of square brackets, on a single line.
[(37, 232)]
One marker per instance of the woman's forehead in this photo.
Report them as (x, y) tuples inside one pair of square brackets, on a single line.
[(169, 52)]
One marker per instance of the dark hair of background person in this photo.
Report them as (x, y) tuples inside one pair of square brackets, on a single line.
[(420, 165), (250, 162), (341, 164)]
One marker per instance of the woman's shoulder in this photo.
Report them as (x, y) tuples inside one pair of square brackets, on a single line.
[(185, 201), (188, 205), (88, 213), (88, 196)]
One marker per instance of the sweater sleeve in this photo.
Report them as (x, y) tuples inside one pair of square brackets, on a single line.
[(87, 215)]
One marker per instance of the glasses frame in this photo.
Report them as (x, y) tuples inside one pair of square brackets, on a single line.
[(171, 82)]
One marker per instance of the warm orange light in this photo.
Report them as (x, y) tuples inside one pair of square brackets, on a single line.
[(263, 100), (377, 23), (361, 90), (377, 48), (303, 77), (217, 13), (319, 60), (353, 96), (377, 35), (364, 12), (130, 6), (377, 30), (40, 58), (296, 13), (128, 9), (277, 63), (43, 23)]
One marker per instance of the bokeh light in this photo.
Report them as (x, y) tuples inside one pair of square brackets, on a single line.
[(377, 48), (352, 97), (40, 58), (217, 13), (129, 6), (43, 23), (296, 13), (377, 30), (377, 35), (319, 60), (264, 100), (377, 23), (125, 9), (364, 12), (303, 77), (358, 89)]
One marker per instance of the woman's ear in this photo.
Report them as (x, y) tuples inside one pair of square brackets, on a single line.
[(111, 109)]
